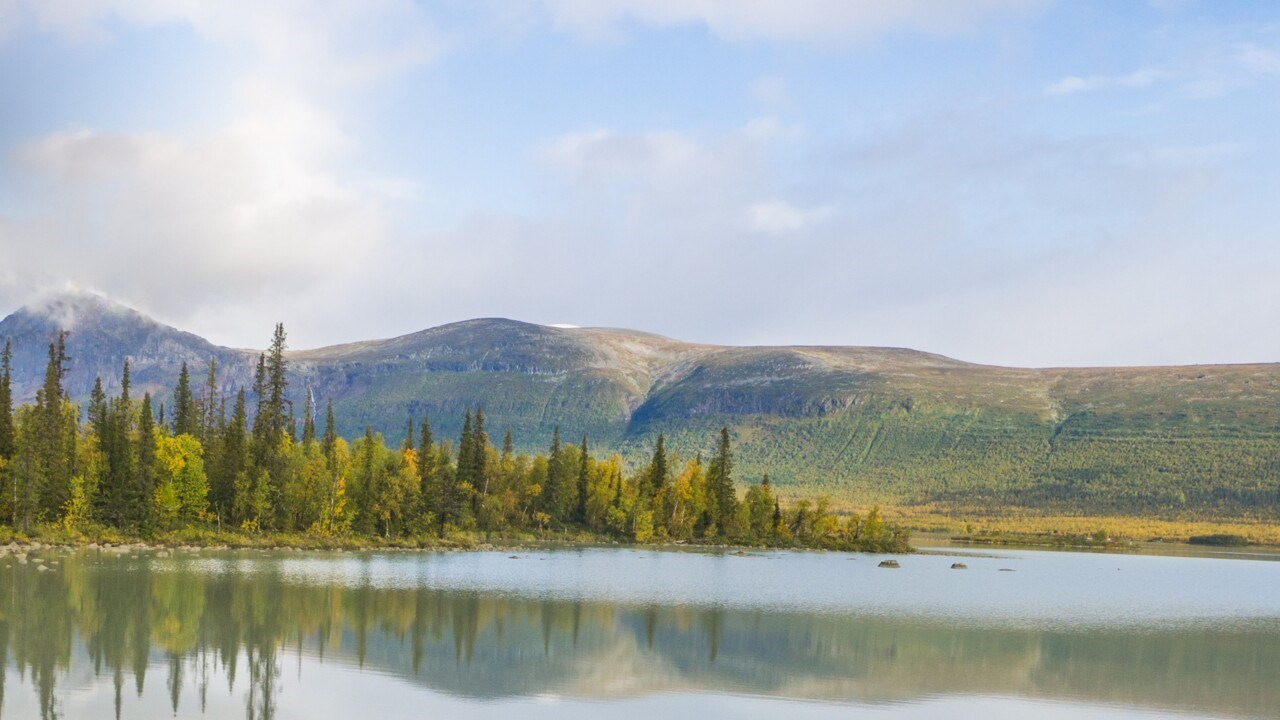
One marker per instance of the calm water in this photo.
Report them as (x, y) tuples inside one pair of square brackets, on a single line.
[(637, 634)]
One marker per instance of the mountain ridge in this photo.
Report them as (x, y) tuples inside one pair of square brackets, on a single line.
[(891, 424)]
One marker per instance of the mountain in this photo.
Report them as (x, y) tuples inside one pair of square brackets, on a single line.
[(863, 424)]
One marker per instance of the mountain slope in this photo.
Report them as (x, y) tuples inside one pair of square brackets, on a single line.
[(862, 424)]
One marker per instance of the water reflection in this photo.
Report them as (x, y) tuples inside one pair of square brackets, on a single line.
[(190, 633)]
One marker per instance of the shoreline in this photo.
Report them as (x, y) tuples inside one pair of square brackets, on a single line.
[(12, 542)]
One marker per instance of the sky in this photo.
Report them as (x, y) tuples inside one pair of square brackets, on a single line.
[(1014, 182)]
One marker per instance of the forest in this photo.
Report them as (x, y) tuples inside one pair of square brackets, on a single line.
[(242, 464)]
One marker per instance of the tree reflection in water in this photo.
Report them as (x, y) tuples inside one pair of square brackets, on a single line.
[(95, 616)]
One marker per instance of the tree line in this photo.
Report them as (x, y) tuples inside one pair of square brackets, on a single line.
[(243, 463)]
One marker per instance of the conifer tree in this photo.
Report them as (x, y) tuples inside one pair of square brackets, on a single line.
[(428, 487), (580, 508), (234, 461), (463, 474), (7, 438), (658, 469), (277, 382), (115, 433), (309, 420), (557, 478), (408, 444), (209, 425), (53, 459), (184, 406), (479, 457), (366, 486), (142, 490), (447, 481), (330, 433), (722, 501)]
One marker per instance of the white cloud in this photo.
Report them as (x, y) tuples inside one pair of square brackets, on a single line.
[(822, 21), (1258, 59), (1136, 79), (308, 46), (779, 217), (601, 153), (264, 207), (770, 90)]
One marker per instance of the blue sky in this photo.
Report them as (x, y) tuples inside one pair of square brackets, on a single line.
[(1006, 181)]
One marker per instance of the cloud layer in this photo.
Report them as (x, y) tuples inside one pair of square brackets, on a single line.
[(893, 173)]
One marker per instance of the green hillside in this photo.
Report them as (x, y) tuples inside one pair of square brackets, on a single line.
[(860, 424)]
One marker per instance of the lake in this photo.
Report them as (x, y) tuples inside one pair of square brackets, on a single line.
[(635, 633)]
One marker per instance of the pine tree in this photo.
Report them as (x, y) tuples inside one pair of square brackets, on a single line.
[(656, 478), (309, 420), (580, 508), (277, 382), (479, 455), (366, 487), (7, 438), (428, 487), (722, 501), (557, 480), (141, 492), (464, 451), (97, 414), (447, 481), (209, 425), (234, 462), (407, 445), (330, 433), (54, 461), (270, 425), (185, 421), (115, 433)]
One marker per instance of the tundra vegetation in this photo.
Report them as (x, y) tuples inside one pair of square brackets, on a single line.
[(250, 466)]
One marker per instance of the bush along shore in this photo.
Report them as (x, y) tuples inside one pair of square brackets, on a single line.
[(244, 470)]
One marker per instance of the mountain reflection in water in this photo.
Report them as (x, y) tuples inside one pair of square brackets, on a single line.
[(165, 636)]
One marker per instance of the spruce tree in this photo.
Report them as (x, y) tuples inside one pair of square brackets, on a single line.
[(330, 440), (97, 414), (366, 489), (184, 406), (556, 479), (447, 481), (658, 468), (7, 438), (277, 382), (428, 487), (141, 495), (209, 425), (115, 433), (580, 508), (233, 462), (53, 456), (408, 444), (309, 420), (464, 474), (479, 461), (722, 501)]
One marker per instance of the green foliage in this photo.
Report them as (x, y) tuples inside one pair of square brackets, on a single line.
[(119, 469), (182, 487), (6, 401)]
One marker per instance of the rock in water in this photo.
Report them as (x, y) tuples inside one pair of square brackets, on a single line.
[(959, 566), (889, 564)]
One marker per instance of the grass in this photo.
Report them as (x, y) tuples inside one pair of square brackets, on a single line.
[(1081, 529)]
